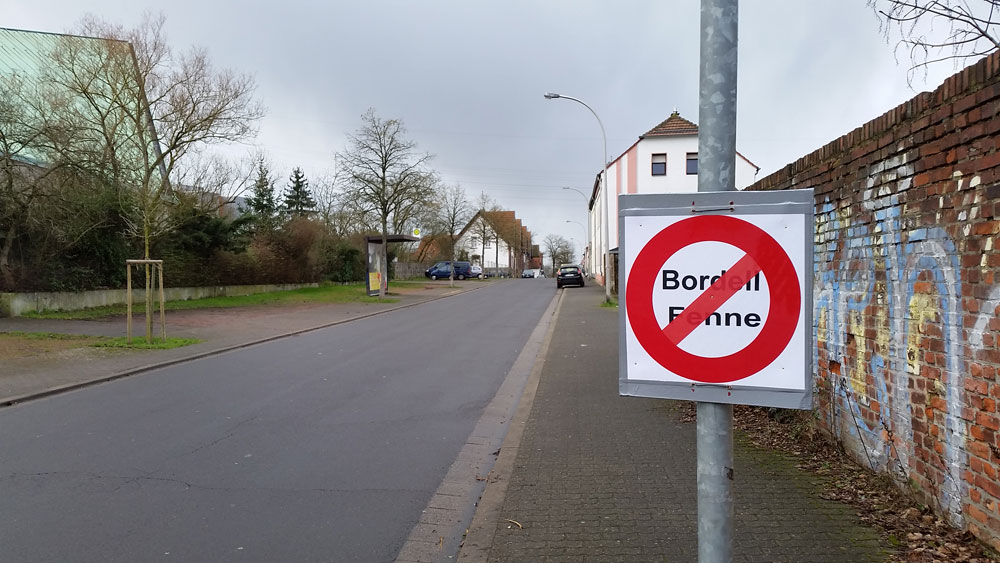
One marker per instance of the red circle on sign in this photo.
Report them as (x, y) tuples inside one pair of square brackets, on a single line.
[(782, 283)]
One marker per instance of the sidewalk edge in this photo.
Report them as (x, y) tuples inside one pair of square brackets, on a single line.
[(482, 531)]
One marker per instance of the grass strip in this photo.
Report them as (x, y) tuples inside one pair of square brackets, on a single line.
[(327, 293), (141, 344)]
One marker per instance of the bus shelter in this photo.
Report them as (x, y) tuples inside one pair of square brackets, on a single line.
[(374, 260)]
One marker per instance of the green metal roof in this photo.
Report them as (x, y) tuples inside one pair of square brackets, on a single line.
[(28, 56), (24, 52)]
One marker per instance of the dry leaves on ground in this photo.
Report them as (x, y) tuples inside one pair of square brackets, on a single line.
[(917, 533)]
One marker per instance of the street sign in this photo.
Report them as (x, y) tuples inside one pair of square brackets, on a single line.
[(717, 295)]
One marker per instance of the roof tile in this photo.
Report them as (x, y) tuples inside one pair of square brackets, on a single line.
[(673, 125)]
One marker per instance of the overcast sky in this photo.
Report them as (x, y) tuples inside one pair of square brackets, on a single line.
[(467, 77)]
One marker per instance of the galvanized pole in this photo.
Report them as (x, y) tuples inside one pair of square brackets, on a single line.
[(716, 172)]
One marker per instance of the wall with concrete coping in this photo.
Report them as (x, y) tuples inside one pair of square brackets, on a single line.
[(16, 304), (906, 293)]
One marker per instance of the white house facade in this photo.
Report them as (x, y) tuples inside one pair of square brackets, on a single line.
[(492, 239), (663, 160)]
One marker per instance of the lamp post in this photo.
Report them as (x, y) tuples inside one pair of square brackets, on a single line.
[(581, 226), (590, 266), (604, 190)]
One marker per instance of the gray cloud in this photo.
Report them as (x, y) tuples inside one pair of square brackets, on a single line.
[(467, 79)]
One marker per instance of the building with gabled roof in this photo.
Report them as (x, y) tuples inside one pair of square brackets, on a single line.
[(662, 160), (432, 248), (497, 241)]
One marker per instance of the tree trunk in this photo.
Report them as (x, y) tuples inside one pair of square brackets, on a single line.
[(384, 268), (451, 273), (5, 269), (149, 286)]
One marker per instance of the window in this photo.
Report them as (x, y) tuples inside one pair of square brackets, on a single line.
[(659, 164), (692, 163)]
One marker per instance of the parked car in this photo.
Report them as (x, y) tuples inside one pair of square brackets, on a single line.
[(477, 271), (533, 273), (569, 274), (442, 270)]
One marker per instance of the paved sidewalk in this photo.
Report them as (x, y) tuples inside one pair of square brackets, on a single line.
[(597, 477), (219, 329)]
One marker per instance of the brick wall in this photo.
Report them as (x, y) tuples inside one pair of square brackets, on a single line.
[(906, 293)]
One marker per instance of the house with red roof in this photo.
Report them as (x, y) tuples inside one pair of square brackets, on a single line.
[(497, 241), (663, 160)]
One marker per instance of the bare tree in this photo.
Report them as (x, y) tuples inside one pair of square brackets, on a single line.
[(143, 119), (21, 182), (507, 228), (38, 191), (483, 229), (150, 115), (933, 31), (559, 249), (453, 212), (334, 209), (385, 177)]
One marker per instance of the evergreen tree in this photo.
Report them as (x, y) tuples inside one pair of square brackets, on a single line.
[(298, 199), (262, 204)]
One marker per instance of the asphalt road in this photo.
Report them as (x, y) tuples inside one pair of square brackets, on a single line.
[(320, 447)]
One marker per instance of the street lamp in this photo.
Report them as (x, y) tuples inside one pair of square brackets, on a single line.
[(604, 186), (586, 235), (579, 192)]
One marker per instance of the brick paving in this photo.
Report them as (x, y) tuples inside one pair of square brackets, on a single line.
[(603, 478)]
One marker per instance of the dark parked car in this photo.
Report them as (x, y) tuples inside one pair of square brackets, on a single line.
[(442, 270), (569, 274)]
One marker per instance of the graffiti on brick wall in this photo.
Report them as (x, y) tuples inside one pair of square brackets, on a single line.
[(888, 325)]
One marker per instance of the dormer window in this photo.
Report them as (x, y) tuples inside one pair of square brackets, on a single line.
[(659, 164)]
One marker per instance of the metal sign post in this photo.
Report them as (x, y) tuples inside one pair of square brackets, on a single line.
[(716, 305), (716, 172)]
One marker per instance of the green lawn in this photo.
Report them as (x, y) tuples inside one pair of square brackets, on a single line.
[(139, 342), (328, 293)]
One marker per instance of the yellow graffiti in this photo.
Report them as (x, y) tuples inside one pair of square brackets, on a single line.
[(882, 332), (856, 328), (923, 308), (821, 327)]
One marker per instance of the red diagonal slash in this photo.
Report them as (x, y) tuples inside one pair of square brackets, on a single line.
[(713, 298)]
